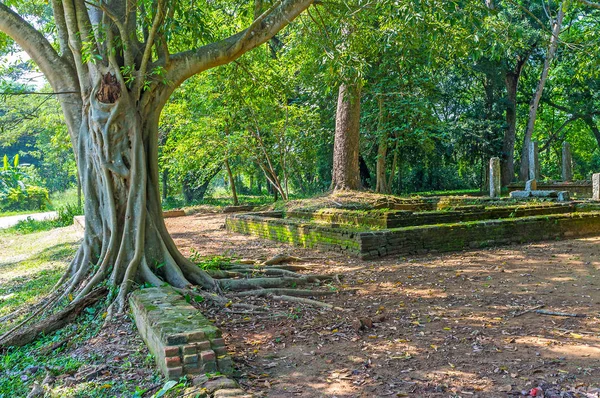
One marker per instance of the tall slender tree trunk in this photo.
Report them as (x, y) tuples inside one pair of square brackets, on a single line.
[(346, 172), (507, 165), (381, 185), (535, 102), (231, 183)]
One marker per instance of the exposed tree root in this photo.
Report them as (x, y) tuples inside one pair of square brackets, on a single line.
[(53, 322), (306, 301), (270, 283), (283, 291), (282, 258)]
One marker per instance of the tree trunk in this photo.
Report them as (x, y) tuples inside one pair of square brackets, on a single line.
[(125, 232), (381, 185), (111, 99), (231, 183), (346, 173), (508, 145), (594, 127), (557, 25)]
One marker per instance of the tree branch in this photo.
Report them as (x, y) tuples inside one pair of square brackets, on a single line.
[(158, 20), (189, 63), (56, 69), (590, 4)]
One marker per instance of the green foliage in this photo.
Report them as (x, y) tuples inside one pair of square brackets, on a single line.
[(210, 262), (15, 191)]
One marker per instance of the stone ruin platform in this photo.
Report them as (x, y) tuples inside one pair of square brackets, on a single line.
[(181, 339), (431, 225)]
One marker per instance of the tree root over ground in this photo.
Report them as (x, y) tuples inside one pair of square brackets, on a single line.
[(235, 283), (54, 322)]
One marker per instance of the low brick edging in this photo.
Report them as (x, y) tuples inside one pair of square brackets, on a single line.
[(420, 239), (181, 339), (270, 225), (477, 234)]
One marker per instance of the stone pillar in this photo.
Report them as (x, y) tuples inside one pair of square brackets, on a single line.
[(534, 162), (596, 186), (531, 185), (495, 181), (567, 162)]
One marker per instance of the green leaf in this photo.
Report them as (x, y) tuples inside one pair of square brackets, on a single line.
[(165, 389)]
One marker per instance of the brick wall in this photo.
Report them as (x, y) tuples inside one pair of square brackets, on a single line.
[(424, 238)]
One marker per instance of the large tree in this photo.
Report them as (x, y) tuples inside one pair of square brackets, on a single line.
[(114, 66)]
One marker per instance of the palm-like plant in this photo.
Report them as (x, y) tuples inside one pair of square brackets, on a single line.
[(12, 176)]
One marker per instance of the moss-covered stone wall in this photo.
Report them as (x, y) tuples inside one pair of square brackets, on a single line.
[(400, 218), (369, 244), (266, 225), (475, 234)]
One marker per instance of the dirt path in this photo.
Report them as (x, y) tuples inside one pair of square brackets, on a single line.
[(449, 328)]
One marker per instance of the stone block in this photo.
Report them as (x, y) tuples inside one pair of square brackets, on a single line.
[(534, 163), (166, 322), (187, 359), (495, 178), (208, 355), (564, 196), (171, 352), (544, 194), (520, 194), (210, 367), (173, 362), (596, 186), (531, 185), (174, 373)]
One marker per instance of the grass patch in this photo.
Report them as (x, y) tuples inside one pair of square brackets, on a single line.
[(29, 267), (29, 225)]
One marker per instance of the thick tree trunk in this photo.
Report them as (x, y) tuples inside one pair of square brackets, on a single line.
[(231, 183), (524, 169), (346, 173), (125, 234)]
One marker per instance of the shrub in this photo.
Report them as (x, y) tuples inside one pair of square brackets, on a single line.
[(29, 198), (15, 192), (64, 218)]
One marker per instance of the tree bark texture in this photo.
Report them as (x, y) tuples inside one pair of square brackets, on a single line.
[(511, 80), (346, 173), (381, 185)]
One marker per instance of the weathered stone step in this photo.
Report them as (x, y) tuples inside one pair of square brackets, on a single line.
[(181, 339)]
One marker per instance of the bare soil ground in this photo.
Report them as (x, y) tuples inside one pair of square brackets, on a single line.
[(449, 327)]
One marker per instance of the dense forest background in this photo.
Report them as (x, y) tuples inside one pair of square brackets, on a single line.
[(444, 86)]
